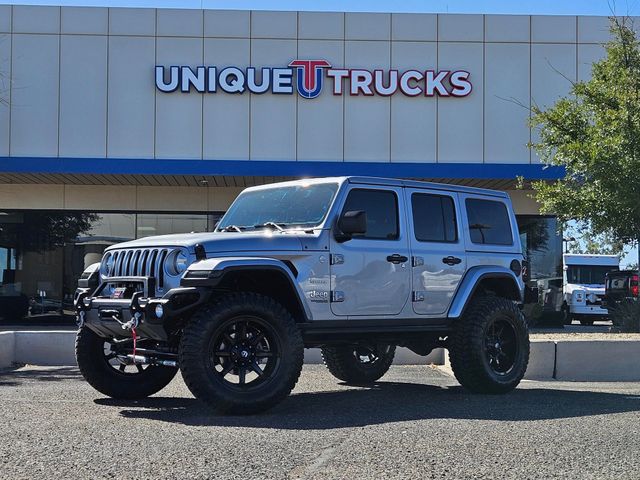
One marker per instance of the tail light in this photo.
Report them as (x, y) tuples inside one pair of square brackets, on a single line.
[(634, 285)]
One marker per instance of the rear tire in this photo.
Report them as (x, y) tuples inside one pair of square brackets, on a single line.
[(358, 365), (489, 348), (109, 380), (241, 355)]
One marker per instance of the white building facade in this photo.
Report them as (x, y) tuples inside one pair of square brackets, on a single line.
[(117, 123)]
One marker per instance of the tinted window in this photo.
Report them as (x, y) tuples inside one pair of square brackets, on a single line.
[(382, 212), (488, 222), (434, 218)]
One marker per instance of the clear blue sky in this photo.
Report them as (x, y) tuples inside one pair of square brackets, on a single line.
[(551, 7)]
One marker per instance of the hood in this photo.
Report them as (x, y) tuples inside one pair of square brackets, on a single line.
[(265, 240)]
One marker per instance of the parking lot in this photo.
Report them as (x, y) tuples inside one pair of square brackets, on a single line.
[(416, 423)]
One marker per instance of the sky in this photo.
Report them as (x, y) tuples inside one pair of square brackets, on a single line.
[(548, 7)]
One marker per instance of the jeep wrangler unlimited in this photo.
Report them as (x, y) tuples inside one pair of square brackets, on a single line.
[(354, 266)]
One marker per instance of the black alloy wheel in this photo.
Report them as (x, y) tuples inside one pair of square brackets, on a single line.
[(501, 346), (359, 364), (244, 352)]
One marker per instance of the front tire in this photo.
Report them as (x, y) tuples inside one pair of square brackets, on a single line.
[(489, 348), (567, 317), (241, 355), (112, 375), (358, 364)]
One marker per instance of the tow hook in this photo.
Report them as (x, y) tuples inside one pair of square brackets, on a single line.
[(131, 324)]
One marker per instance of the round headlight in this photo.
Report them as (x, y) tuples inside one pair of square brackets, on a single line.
[(106, 267), (159, 310), (178, 263)]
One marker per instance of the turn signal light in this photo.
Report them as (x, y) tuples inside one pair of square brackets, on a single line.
[(634, 285)]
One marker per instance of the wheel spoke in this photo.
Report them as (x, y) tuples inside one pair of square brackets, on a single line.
[(243, 331), (255, 340), (122, 367), (242, 373), (139, 367), (222, 353), (110, 356), (227, 369), (256, 368), (228, 340)]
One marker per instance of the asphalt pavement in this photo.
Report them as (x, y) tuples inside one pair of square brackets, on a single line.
[(415, 423)]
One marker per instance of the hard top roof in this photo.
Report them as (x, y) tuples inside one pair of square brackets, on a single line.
[(391, 182)]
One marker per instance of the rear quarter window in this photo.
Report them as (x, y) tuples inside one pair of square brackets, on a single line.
[(489, 222)]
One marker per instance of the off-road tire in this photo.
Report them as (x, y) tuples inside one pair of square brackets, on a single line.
[(207, 386), (343, 364), (468, 346), (107, 380)]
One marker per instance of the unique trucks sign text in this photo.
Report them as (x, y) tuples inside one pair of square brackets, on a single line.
[(307, 78)]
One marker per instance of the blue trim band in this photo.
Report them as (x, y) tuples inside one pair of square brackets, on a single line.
[(122, 166)]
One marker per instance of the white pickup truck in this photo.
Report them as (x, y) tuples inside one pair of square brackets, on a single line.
[(583, 286)]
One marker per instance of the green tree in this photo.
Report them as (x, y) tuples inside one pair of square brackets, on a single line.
[(595, 134)]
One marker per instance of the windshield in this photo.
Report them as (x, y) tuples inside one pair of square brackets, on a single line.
[(294, 206), (587, 274)]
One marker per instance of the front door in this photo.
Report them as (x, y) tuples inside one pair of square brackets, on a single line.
[(370, 274), (437, 246)]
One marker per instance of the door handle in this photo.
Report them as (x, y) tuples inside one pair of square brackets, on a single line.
[(396, 258), (450, 260)]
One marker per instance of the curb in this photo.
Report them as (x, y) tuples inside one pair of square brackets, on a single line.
[(56, 347), (568, 360)]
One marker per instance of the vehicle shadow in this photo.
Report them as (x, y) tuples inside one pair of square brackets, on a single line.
[(16, 376), (387, 402)]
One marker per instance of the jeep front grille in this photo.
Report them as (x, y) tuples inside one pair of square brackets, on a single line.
[(141, 262)]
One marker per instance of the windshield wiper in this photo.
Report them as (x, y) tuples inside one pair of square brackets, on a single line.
[(273, 225), (231, 228)]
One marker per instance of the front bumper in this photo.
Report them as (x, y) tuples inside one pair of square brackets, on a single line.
[(106, 315), (588, 310)]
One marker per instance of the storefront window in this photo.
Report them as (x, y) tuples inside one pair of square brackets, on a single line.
[(164, 223), (32, 256), (542, 249), (43, 253)]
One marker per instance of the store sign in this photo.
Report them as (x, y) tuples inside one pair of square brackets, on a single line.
[(307, 77)]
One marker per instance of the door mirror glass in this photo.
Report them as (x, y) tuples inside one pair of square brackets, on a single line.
[(353, 222)]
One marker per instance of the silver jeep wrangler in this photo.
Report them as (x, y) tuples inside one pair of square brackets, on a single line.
[(354, 266)]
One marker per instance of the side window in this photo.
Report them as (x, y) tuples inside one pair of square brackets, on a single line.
[(434, 218), (382, 212), (488, 222)]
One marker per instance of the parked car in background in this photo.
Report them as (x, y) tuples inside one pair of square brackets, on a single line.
[(583, 290), (621, 300), (620, 286)]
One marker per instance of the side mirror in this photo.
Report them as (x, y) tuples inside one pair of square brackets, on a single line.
[(351, 223)]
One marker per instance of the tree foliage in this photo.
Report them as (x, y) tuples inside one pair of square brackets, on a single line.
[(595, 134)]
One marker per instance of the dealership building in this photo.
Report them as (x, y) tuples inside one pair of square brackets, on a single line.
[(119, 123)]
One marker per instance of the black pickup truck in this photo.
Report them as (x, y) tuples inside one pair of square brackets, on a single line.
[(621, 299)]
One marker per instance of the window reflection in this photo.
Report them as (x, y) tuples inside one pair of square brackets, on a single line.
[(42, 254), (163, 224), (542, 249)]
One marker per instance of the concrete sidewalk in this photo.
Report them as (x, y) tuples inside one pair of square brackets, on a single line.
[(608, 357)]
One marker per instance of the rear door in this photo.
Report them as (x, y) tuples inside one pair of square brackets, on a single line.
[(438, 258)]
